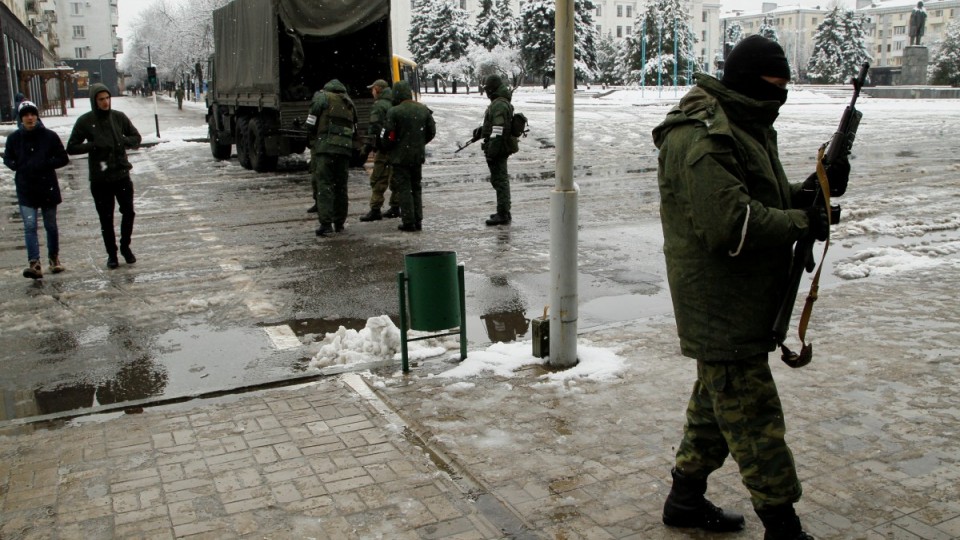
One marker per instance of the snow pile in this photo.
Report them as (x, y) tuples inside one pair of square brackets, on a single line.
[(504, 359), (378, 340)]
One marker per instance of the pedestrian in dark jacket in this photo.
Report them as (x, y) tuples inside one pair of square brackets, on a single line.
[(331, 125), (35, 153), (498, 144), (730, 219), (408, 129), (105, 134)]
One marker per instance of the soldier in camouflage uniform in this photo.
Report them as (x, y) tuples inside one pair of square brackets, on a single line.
[(730, 218), (331, 125), (498, 144), (380, 176), (408, 129)]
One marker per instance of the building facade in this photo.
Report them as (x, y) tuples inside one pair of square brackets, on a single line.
[(20, 50), (87, 35), (888, 27), (795, 28)]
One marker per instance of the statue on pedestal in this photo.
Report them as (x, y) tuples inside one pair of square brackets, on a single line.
[(918, 19)]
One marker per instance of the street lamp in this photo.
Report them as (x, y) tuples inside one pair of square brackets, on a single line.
[(100, 61)]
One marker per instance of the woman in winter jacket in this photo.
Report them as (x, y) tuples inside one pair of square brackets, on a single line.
[(35, 153)]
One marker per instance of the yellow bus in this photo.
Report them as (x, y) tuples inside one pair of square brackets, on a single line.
[(404, 69)]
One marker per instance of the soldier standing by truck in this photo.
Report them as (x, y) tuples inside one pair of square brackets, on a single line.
[(381, 176), (331, 125), (408, 129)]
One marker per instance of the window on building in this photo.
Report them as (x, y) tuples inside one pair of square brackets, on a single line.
[(898, 46), (880, 33), (78, 31), (75, 8), (813, 20), (619, 31), (888, 47), (703, 36), (599, 30), (899, 30), (629, 12), (619, 11), (463, 4), (628, 30), (599, 13), (79, 52), (879, 48), (704, 16), (938, 13)]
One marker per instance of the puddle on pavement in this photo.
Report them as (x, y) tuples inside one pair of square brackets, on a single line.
[(322, 326)]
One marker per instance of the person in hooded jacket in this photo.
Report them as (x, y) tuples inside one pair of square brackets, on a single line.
[(498, 144), (331, 125), (730, 218), (380, 176), (35, 153), (406, 132), (106, 134)]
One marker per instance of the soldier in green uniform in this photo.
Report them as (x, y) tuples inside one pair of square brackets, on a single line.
[(730, 218), (498, 144), (406, 132), (331, 125), (380, 177)]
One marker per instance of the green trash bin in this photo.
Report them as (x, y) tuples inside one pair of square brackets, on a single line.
[(433, 289)]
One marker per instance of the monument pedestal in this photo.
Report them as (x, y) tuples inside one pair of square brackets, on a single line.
[(915, 60)]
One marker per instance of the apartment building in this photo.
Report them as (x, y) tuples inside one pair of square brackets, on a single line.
[(87, 34), (795, 27), (20, 50)]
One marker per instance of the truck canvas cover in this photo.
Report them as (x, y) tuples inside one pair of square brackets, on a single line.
[(247, 54)]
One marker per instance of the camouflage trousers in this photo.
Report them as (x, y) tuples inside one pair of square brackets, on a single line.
[(735, 410), (500, 180), (381, 177), (330, 185)]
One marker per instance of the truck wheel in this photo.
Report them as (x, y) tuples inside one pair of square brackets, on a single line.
[(219, 150), (243, 142), (260, 160)]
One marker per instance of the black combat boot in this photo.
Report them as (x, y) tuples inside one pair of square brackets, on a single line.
[(407, 227), (324, 230), (338, 226), (373, 215), (112, 261), (312, 209), (128, 255), (499, 219), (686, 507), (393, 212), (782, 523)]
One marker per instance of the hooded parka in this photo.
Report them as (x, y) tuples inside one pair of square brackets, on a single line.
[(728, 223), (105, 135), (35, 154)]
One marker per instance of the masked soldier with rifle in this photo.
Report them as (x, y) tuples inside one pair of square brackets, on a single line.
[(498, 144), (730, 219)]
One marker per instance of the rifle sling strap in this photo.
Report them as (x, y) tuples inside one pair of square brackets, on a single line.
[(792, 359)]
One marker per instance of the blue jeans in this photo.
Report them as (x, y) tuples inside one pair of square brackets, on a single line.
[(29, 215)]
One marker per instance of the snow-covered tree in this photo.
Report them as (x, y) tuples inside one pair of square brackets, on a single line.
[(945, 66), (179, 36), (609, 65), (732, 36), (537, 20), (439, 31), (488, 30), (768, 30), (503, 61), (422, 27), (509, 24), (838, 48), (660, 29)]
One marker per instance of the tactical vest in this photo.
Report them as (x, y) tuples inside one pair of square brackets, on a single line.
[(335, 126)]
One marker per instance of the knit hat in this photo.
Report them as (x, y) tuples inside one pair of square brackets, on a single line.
[(753, 57), (379, 83), (27, 106)]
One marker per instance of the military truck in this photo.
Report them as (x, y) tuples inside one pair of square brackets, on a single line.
[(270, 56)]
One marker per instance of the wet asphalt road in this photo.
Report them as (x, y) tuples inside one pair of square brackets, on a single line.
[(230, 273)]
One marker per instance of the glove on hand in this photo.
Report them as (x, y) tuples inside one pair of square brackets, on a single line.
[(838, 174), (819, 223), (477, 133)]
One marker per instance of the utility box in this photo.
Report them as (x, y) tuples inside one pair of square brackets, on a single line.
[(540, 330)]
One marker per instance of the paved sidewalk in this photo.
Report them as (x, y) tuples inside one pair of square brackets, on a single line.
[(873, 423)]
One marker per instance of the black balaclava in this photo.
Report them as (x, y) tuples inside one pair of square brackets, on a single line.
[(752, 58)]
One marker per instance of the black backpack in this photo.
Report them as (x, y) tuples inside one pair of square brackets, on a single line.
[(518, 126)]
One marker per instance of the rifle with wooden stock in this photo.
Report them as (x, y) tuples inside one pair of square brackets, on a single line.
[(803, 261)]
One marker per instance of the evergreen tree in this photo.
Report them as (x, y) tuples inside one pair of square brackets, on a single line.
[(663, 25), (838, 48), (537, 20), (945, 67), (508, 24), (421, 36), (732, 36), (768, 30), (608, 62), (488, 30)]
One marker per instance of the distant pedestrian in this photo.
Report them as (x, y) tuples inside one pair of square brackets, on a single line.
[(105, 134), (35, 153), (381, 175), (498, 144), (408, 129), (331, 125), (179, 93)]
